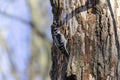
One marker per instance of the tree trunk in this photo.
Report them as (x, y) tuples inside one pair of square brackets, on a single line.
[(92, 30)]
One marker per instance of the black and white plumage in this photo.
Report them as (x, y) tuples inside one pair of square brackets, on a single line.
[(60, 41), (99, 9)]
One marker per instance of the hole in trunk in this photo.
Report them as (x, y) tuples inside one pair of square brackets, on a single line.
[(71, 77)]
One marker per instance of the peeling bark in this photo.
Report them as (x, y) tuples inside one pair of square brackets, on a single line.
[(91, 28)]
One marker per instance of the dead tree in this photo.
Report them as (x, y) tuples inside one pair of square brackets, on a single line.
[(92, 30)]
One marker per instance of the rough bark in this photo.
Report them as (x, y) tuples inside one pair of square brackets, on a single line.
[(91, 28)]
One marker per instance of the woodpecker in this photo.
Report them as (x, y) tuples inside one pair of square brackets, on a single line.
[(59, 40)]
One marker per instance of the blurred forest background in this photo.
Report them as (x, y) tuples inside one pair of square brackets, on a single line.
[(25, 39)]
